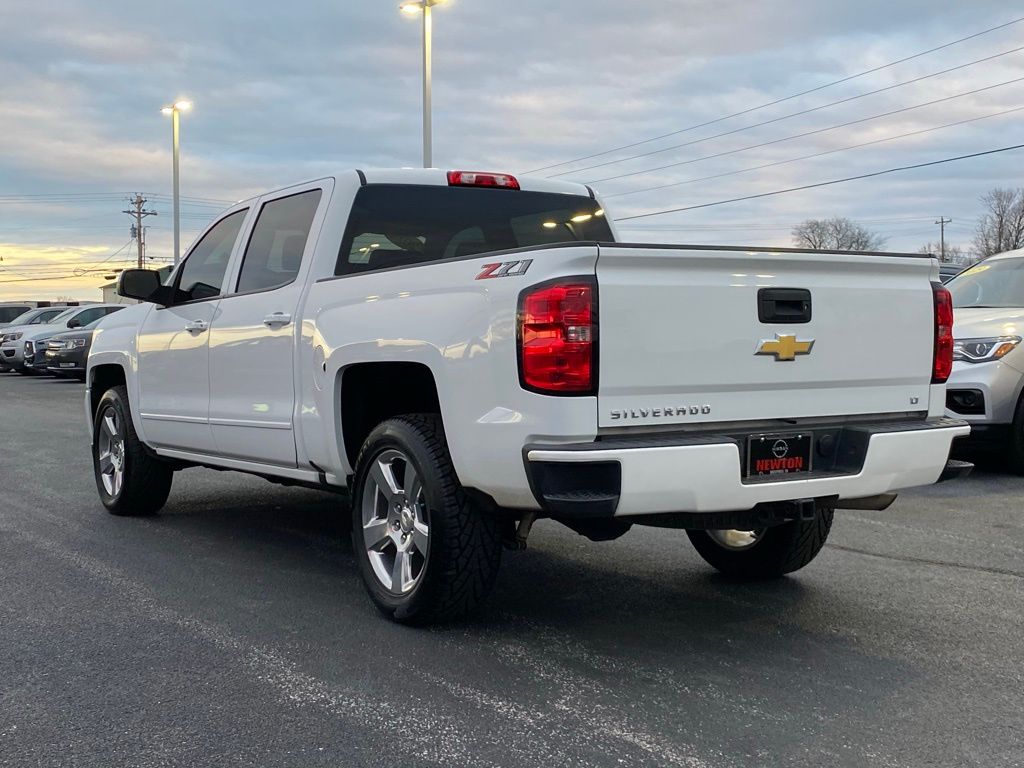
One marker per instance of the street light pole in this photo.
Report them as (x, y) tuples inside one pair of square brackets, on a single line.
[(175, 152), (428, 159), (424, 7), (175, 111)]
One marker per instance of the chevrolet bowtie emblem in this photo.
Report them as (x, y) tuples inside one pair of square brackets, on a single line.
[(785, 346)]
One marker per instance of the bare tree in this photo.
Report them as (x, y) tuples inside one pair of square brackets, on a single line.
[(1001, 227), (837, 233), (955, 254)]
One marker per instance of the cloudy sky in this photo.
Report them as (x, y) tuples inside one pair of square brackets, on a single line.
[(289, 91)]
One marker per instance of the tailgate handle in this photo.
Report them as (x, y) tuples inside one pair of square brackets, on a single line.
[(784, 305)]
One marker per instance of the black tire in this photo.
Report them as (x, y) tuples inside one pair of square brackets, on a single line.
[(464, 550), (25, 371), (780, 549), (146, 481)]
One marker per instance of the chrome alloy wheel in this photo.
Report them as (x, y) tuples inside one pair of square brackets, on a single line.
[(732, 539), (396, 529), (110, 452)]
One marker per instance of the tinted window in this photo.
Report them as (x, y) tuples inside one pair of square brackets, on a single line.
[(202, 275), (66, 314), (274, 253), (7, 314), (398, 224), (87, 316), (45, 316)]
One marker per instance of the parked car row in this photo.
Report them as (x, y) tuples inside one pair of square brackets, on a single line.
[(13, 310), (52, 340)]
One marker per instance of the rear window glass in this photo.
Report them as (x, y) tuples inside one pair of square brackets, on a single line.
[(7, 314), (395, 225)]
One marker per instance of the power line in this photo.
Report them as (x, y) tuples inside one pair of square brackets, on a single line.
[(820, 183), (808, 133), (786, 117), (783, 99), (815, 154)]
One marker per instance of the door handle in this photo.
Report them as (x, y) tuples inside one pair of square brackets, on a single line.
[(278, 319), (196, 326)]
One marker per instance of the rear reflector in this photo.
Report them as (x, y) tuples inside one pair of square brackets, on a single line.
[(942, 361), (478, 179), (557, 338)]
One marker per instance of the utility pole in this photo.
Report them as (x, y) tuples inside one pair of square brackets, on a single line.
[(942, 222), (139, 213)]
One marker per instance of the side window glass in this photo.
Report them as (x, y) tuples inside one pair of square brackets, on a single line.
[(202, 275), (85, 317), (274, 253)]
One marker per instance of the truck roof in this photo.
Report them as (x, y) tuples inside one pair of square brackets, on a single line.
[(439, 178)]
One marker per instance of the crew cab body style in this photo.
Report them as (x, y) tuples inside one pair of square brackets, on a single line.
[(466, 352)]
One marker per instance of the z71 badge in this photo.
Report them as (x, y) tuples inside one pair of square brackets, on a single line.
[(505, 269)]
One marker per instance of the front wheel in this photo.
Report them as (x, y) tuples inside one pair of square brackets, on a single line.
[(767, 552), (130, 481), (425, 552)]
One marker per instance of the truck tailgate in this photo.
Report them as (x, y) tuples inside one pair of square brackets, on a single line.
[(682, 341)]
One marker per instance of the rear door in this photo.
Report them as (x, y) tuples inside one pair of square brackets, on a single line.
[(252, 343), (683, 339)]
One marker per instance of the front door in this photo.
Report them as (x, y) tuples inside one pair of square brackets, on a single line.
[(174, 346), (253, 340)]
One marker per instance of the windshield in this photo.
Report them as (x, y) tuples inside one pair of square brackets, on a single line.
[(998, 284), (64, 315), (394, 225)]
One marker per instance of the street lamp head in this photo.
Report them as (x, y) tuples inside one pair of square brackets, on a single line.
[(414, 7), (178, 106)]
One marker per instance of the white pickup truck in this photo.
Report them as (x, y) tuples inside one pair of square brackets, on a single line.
[(466, 352)]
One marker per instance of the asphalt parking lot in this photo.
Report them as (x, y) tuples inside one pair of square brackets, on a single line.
[(232, 630)]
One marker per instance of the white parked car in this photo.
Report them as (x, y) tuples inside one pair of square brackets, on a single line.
[(20, 344), (23, 322), (465, 352), (986, 387)]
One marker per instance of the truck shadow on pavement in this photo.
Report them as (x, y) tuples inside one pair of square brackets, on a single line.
[(648, 587)]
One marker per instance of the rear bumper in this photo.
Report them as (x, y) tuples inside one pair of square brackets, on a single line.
[(660, 474)]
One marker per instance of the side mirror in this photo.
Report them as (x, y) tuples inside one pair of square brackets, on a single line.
[(74, 323), (141, 284)]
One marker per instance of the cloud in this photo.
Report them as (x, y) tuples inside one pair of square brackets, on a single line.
[(290, 91)]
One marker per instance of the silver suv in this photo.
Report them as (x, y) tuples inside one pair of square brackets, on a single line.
[(986, 385)]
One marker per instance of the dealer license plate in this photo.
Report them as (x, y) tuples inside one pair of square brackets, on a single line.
[(779, 454)]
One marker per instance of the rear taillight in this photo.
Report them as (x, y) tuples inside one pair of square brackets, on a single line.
[(558, 337), (942, 361), (479, 179)]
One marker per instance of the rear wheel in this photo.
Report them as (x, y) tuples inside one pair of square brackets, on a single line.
[(766, 552), (425, 552), (130, 481)]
